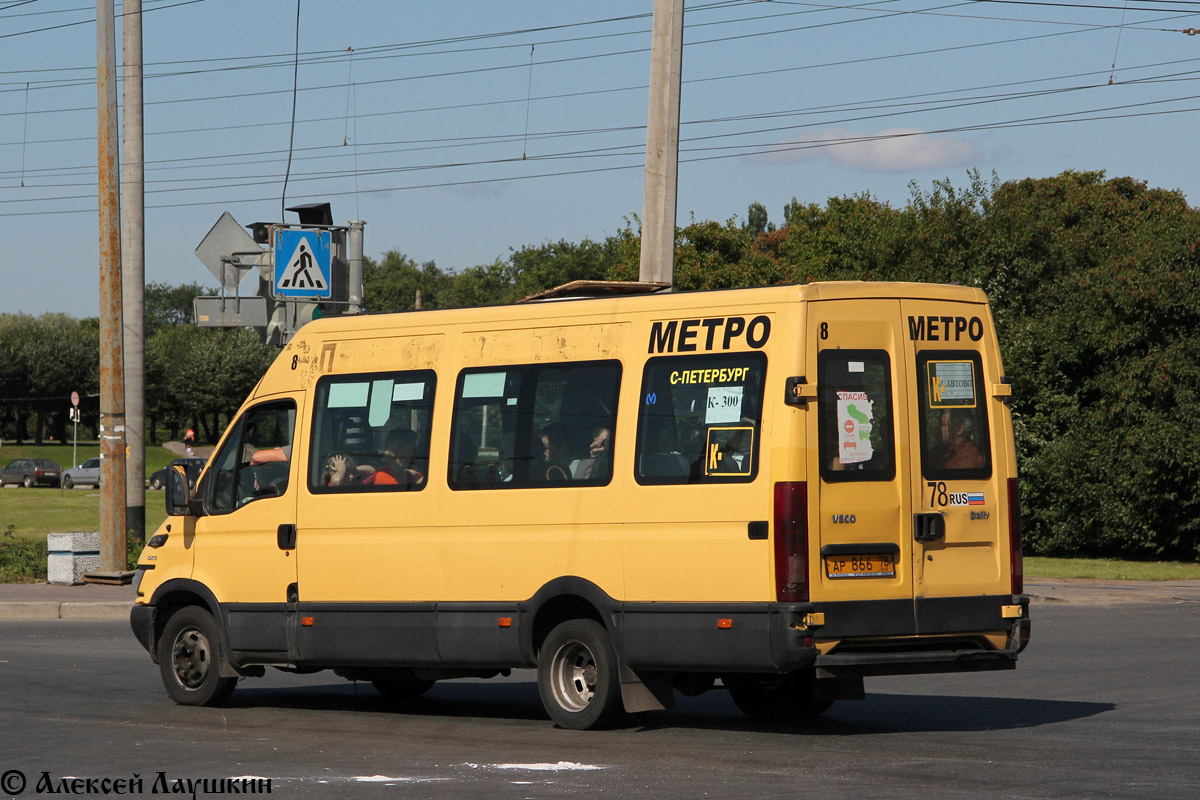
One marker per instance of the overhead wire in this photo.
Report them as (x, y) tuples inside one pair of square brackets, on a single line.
[(93, 19), (739, 133)]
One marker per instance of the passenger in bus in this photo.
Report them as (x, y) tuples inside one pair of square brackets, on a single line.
[(557, 436), (596, 464), (958, 434), (343, 470), (400, 462)]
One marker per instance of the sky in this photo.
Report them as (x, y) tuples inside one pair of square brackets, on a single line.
[(461, 130)]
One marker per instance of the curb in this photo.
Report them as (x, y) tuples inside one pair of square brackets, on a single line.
[(18, 610)]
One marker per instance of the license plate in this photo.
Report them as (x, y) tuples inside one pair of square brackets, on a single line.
[(875, 565)]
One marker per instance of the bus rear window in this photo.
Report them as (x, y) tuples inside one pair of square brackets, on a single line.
[(855, 416), (954, 424)]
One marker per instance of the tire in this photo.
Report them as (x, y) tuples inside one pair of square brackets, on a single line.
[(189, 659), (155, 484), (775, 697), (578, 678), (28, 482), (68, 482)]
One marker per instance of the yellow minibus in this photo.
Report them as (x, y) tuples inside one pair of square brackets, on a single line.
[(777, 491)]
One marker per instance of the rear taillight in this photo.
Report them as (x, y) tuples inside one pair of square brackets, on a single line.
[(1014, 536), (791, 542)]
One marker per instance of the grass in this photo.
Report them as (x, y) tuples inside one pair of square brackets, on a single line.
[(157, 456), (33, 513), (1110, 569)]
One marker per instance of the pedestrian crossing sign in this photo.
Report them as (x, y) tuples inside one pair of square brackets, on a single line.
[(303, 264)]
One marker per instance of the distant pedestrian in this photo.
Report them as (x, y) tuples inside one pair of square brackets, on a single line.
[(189, 443)]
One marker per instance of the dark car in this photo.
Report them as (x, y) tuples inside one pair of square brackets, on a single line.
[(31, 472), (193, 466)]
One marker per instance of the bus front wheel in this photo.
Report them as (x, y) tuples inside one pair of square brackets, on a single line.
[(578, 678), (189, 659)]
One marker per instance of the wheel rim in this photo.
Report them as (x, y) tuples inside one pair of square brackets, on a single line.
[(191, 658), (574, 676), (68, 483), (28, 483)]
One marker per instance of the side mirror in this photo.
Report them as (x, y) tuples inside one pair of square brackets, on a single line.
[(180, 502)]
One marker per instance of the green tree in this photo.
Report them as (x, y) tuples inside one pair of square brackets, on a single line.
[(168, 304), (757, 220), (392, 283), (42, 360)]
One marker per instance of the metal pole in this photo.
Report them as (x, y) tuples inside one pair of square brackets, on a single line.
[(112, 370), (662, 143), (133, 268), (354, 246)]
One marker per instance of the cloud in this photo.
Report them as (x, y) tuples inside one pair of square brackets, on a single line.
[(891, 150)]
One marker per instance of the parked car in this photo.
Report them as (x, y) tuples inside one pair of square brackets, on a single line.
[(86, 474), (193, 466), (31, 472)]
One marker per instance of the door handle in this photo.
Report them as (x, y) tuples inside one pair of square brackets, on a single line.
[(286, 537), (929, 527)]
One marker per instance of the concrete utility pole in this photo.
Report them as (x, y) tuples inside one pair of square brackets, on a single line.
[(354, 259), (133, 268), (662, 143), (112, 369)]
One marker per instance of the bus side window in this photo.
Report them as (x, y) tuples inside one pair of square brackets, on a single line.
[(371, 432), (700, 418), (534, 425), (238, 477)]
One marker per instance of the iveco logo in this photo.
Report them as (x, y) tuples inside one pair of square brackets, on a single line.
[(839, 519)]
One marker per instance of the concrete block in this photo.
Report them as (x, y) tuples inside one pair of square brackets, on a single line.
[(71, 555)]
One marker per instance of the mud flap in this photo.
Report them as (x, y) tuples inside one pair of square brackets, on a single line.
[(646, 691)]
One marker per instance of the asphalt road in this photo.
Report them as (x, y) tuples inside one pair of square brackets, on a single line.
[(1105, 703)]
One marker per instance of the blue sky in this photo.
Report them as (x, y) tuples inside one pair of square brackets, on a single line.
[(460, 129)]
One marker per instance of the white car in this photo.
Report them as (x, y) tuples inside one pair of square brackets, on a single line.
[(86, 474)]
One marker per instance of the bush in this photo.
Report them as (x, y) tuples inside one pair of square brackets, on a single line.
[(21, 560)]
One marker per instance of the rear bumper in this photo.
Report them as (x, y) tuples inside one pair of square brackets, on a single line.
[(923, 636)]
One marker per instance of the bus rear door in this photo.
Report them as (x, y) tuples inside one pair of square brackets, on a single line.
[(958, 468), (863, 492)]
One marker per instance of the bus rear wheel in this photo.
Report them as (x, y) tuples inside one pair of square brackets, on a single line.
[(189, 659), (775, 696), (578, 678)]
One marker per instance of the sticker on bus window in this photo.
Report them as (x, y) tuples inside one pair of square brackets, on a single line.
[(728, 450), (724, 405), (483, 384), (855, 416), (951, 384)]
